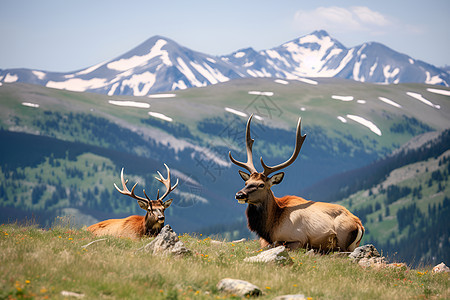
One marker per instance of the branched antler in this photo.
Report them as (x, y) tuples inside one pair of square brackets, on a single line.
[(166, 182), (127, 192), (298, 145), (249, 166)]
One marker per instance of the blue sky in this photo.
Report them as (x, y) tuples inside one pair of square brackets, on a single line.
[(55, 35)]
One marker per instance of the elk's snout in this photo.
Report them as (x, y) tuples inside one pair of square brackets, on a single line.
[(161, 219), (242, 197)]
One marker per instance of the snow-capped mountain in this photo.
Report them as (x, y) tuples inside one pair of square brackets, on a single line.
[(319, 55), (160, 64)]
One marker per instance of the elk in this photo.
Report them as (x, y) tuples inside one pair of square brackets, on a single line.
[(292, 220), (138, 226)]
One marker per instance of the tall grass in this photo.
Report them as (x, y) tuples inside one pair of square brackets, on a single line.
[(40, 264)]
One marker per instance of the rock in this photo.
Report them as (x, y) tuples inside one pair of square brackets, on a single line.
[(366, 251), (291, 297), (239, 241), (374, 262), (167, 242), (368, 256), (310, 253), (397, 266), (71, 294), (278, 255), (440, 268), (238, 287)]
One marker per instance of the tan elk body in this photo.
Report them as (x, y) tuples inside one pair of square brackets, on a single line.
[(292, 220), (138, 226)]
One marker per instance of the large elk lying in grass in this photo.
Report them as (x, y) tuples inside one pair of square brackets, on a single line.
[(292, 220), (138, 226)]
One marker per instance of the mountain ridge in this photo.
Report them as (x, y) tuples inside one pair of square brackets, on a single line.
[(160, 64)]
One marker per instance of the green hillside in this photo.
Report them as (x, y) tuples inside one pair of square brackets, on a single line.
[(406, 214)]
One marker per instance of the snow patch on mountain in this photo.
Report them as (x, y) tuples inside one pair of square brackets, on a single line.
[(162, 96), (9, 78), (390, 102), (342, 98), (39, 74), (129, 104), (236, 112), (29, 104), (259, 93), (439, 91), (77, 84), (135, 61), (160, 116), (423, 100), (366, 123)]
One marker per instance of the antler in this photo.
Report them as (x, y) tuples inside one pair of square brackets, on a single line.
[(249, 143), (166, 182), (125, 190), (298, 145)]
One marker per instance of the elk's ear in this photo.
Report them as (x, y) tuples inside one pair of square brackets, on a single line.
[(143, 204), (244, 175), (167, 203), (277, 178)]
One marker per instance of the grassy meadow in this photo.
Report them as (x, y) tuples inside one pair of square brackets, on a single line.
[(41, 264)]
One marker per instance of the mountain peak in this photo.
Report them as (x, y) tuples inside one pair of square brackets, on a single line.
[(320, 33)]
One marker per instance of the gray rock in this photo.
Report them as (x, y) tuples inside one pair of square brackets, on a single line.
[(238, 287), (366, 251), (278, 255), (291, 297), (368, 256), (167, 242)]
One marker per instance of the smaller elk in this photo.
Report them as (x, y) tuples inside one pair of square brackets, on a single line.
[(292, 220), (138, 226)]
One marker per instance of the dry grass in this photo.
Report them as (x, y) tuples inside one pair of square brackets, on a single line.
[(40, 264)]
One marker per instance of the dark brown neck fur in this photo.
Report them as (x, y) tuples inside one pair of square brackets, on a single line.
[(263, 217), (151, 228)]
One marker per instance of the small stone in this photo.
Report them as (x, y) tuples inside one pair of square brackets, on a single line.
[(238, 287), (72, 294), (291, 297), (397, 266), (440, 268), (278, 255), (239, 241)]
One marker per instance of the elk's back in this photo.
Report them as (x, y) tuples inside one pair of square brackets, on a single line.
[(131, 227)]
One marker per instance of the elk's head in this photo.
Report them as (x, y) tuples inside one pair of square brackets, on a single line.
[(154, 208), (257, 185)]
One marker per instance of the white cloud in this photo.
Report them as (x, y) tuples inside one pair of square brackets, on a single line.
[(334, 18)]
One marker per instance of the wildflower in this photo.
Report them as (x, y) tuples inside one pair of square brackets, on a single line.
[(267, 287), (43, 291), (70, 239), (27, 281)]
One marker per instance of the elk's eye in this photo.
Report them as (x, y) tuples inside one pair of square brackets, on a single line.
[(261, 185)]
